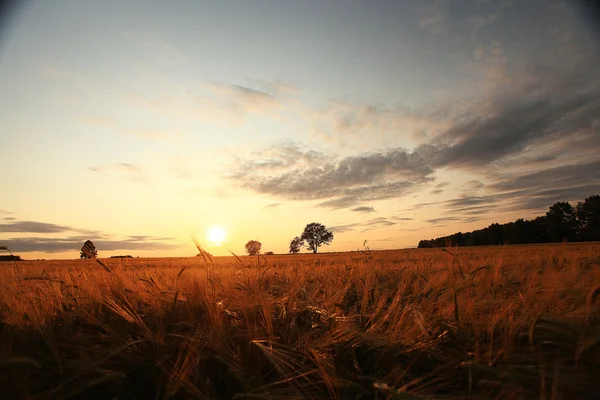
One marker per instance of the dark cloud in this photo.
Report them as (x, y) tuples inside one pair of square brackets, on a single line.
[(561, 176), (74, 243), (442, 221), (512, 127), (17, 226), (364, 209), (33, 227), (272, 205), (9, 219), (307, 175), (530, 120)]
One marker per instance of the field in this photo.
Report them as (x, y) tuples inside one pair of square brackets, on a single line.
[(475, 323)]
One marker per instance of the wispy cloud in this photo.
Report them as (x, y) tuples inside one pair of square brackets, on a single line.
[(480, 21), (434, 16), (374, 223), (363, 209), (131, 172), (238, 100)]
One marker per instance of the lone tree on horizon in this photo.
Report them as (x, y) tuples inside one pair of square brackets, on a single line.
[(316, 235), (88, 250), (253, 247), (295, 245)]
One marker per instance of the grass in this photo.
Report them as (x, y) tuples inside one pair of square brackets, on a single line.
[(475, 323)]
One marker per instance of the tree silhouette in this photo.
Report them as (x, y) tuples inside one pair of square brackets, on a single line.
[(88, 250), (253, 247), (588, 214), (316, 235), (561, 222), (295, 245)]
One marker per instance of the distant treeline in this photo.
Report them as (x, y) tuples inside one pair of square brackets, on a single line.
[(10, 258), (562, 222)]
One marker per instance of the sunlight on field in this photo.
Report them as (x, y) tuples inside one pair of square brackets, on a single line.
[(494, 322)]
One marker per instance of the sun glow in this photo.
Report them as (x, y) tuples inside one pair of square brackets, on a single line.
[(216, 235)]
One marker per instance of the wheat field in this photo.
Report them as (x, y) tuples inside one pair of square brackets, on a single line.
[(477, 323)]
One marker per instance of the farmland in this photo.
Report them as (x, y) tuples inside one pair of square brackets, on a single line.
[(477, 323)]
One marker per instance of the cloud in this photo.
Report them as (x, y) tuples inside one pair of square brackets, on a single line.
[(7, 215), (473, 185), (433, 16), (238, 100), (74, 243), (296, 174), (435, 221), (529, 136), (272, 205), (342, 228), (480, 21), (542, 188), (442, 221), (512, 127), (367, 225), (131, 172), (341, 119), (364, 209), (381, 221), (17, 226), (33, 227)]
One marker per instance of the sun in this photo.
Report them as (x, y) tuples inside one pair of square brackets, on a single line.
[(216, 235)]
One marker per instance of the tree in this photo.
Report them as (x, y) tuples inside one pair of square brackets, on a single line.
[(295, 245), (253, 247), (561, 222), (88, 250), (588, 215), (316, 235)]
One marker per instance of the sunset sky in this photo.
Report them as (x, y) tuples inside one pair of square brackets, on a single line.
[(137, 123)]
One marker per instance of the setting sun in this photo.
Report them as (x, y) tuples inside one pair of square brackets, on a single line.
[(216, 235)]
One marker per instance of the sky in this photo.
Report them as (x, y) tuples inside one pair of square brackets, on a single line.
[(137, 124)]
